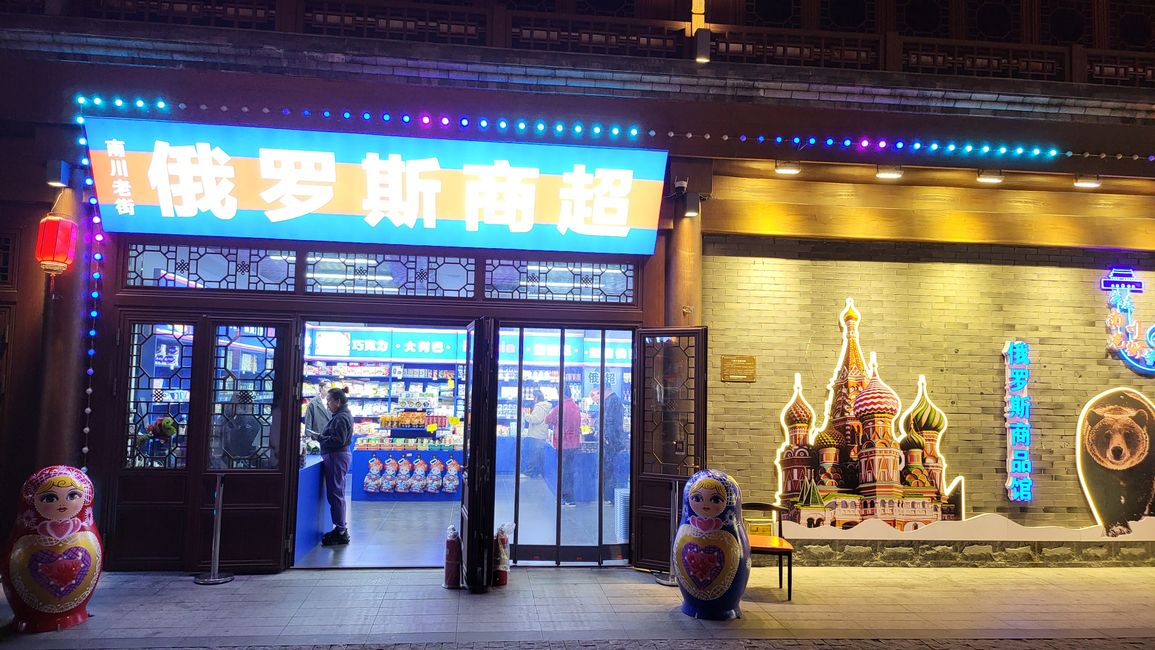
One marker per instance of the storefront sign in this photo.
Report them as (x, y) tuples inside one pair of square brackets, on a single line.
[(229, 181), (739, 368), (1135, 350), (544, 348), (384, 344), (1018, 417)]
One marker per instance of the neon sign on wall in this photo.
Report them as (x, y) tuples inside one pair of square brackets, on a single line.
[(1019, 486), (177, 178), (1136, 350)]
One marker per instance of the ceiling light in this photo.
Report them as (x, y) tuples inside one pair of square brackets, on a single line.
[(990, 176), (1087, 181), (787, 168), (888, 172)]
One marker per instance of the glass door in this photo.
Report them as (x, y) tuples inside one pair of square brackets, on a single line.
[(477, 472)]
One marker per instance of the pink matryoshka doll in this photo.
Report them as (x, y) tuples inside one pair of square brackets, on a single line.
[(55, 556), (711, 551)]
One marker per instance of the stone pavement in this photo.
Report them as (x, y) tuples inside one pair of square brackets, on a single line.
[(617, 608)]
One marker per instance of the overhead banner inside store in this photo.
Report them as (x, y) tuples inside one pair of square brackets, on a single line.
[(230, 181)]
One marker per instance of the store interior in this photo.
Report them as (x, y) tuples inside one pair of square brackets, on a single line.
[(407, 400)]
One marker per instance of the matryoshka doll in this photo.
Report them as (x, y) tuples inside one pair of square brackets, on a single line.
[(389, 479), (372, 482), (711, 551), (55, 555)]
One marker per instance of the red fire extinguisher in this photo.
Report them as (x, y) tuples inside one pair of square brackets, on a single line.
[(452, 559), (501, 555)]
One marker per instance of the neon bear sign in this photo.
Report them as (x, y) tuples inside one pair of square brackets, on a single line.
[(1123, 338)]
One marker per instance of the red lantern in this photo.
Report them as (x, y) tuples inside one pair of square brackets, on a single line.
[(56, 244)]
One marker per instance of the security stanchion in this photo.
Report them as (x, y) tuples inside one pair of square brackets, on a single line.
[(667, 578), (214, 576)]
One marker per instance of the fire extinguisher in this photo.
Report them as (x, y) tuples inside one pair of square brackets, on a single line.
[(501, 555), (452, 559)]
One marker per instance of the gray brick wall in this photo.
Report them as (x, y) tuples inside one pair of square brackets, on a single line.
[(939, 310)]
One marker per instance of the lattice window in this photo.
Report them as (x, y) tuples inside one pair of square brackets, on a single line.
[(669, 414), (21, 6), (159, 386), (596, 35), (995, 20), (1066, 22), (532, 5), (929, 18), (412, 22), (559, 281), (1133, 25), (240, 14), (848, 16), (210, 267), (774, 13), (244, 374), (617, 8), (390, 275), (7, 257)]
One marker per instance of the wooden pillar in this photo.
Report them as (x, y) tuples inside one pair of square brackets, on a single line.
[(684, 247), (63, 352)]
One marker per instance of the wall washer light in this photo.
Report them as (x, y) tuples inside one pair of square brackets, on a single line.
[(888, 172)]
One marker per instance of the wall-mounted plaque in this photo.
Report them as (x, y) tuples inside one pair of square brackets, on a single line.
[(739, 368)]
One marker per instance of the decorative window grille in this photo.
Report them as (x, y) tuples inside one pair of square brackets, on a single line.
[(210, 267), (559, 281), (389, 275), (7, 244)]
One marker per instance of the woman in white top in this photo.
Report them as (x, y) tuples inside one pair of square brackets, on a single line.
[(535, 435)]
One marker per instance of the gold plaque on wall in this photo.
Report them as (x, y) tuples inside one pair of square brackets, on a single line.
[(738, 368)]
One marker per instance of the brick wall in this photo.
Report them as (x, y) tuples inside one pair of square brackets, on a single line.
[(939, 310)]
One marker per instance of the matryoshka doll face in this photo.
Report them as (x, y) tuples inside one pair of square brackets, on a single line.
[(59, 500), (707, 501)]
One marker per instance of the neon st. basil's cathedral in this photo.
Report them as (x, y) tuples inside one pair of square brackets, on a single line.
[(859, 464)]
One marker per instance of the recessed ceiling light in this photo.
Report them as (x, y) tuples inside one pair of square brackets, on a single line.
[(990, 176), (888, 172), (1087, 182), (787, 168)]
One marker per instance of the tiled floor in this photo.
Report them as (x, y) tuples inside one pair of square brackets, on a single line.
[(378, 607)]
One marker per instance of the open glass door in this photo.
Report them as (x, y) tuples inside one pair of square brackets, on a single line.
[(478, 471), (671, 369)]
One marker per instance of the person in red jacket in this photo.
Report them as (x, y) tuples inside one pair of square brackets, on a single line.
[(570, 418)]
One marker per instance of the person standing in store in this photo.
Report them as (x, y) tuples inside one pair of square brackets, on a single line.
[(571, 440), (335, 440), (536, 434), (317, 412), (615, 441)]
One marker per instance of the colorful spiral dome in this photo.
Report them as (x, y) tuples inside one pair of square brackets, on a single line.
[(825, 440), (876, 399), (798, 413), (850, 314), (925, 416), (913, 440)]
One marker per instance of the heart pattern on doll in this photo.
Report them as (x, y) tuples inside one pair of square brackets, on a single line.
[(59, 528), (60, 573), (703, 563)]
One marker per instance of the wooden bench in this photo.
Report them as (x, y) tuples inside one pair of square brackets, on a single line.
[(774, 544)]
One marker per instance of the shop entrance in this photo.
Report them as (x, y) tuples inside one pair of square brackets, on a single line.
[(409, 393), (559, 450)]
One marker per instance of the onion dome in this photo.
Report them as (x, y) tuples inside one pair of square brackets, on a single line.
[(798, 412), (825, 440), (924, 415), (913, 440), (876, 399), (850, 314)]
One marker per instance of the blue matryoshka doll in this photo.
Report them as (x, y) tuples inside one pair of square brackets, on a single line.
[(711, 552)]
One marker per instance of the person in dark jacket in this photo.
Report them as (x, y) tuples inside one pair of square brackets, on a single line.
[(335, 441)]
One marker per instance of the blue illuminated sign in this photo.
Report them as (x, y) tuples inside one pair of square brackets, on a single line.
[(176, 178), (1017, 410)]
